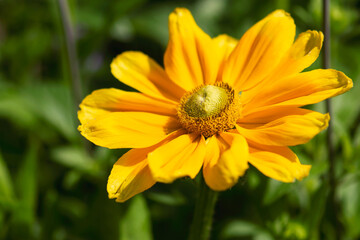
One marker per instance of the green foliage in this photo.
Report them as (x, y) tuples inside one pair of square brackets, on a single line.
[(136, 225), (53, 182), (238, 228), (6, 186)]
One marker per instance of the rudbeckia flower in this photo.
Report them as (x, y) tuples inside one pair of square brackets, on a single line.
[(218, 104)]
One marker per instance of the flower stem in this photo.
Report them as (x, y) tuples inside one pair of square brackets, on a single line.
[(72, 61), (204, 210), (72, 58), (330, 134)]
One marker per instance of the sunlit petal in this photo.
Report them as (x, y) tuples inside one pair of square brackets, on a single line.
[(130, 175), (299, 90), (297, 128), (189, 59), (128, 129), (279, 163), (139, 71), (259, 51), (105, 101), (225, 161), (183, 156)]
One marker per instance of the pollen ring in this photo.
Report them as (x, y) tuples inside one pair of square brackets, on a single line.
[(209, 109)]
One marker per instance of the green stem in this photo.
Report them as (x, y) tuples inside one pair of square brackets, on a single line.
[(72, 58), (204, 210), (330, 134), (72, 61)]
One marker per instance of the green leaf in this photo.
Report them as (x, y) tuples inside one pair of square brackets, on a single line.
[(295, 230), (349, 196), (52, 103), (12, 108), (240, 228), (317, 209), (136, 224), (2, 229), (6, 187), (26, 183), (275, 190), (171, 199), (76, 158)]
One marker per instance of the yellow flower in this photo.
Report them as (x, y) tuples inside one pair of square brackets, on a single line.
[(218, 104)]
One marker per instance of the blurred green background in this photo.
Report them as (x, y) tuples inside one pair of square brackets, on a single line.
[(53, 183)]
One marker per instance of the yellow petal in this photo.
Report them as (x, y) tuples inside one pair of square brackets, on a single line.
[(260, 118), (130, 175), (225, 161), (259, 51), (180, 157), (299, 90), (289, 130), (301, 55), (128, 129), (279, 163), (139, 71), (188, 59), (224, 44), (104, 101)]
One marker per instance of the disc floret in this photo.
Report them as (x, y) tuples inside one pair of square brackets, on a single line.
[(209, 109)]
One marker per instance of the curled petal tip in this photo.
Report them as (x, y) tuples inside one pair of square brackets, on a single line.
[(280, 13)]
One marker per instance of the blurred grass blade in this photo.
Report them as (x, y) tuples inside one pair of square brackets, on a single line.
[(275, 190), (76, 158), (6, 186), (170, 199), (349, 196), (317, 210), (238, 229), (11, 107), (26, 184), (72, 58), (136, 225), (51, 102)]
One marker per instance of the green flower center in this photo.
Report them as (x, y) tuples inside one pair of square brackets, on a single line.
[(209, 100), (209, 109)]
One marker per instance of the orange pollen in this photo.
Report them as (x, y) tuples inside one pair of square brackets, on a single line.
[(209, 109)]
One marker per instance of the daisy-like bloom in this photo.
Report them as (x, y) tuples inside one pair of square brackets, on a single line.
[(217, 105)]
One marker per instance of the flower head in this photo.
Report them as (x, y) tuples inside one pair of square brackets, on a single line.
[(217, 105)]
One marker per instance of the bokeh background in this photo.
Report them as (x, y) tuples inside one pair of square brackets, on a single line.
[(53, 183)]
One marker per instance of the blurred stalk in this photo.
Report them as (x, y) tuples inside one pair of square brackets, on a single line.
[(72, 58), (72, 61), (330, 134), (204, 210)]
